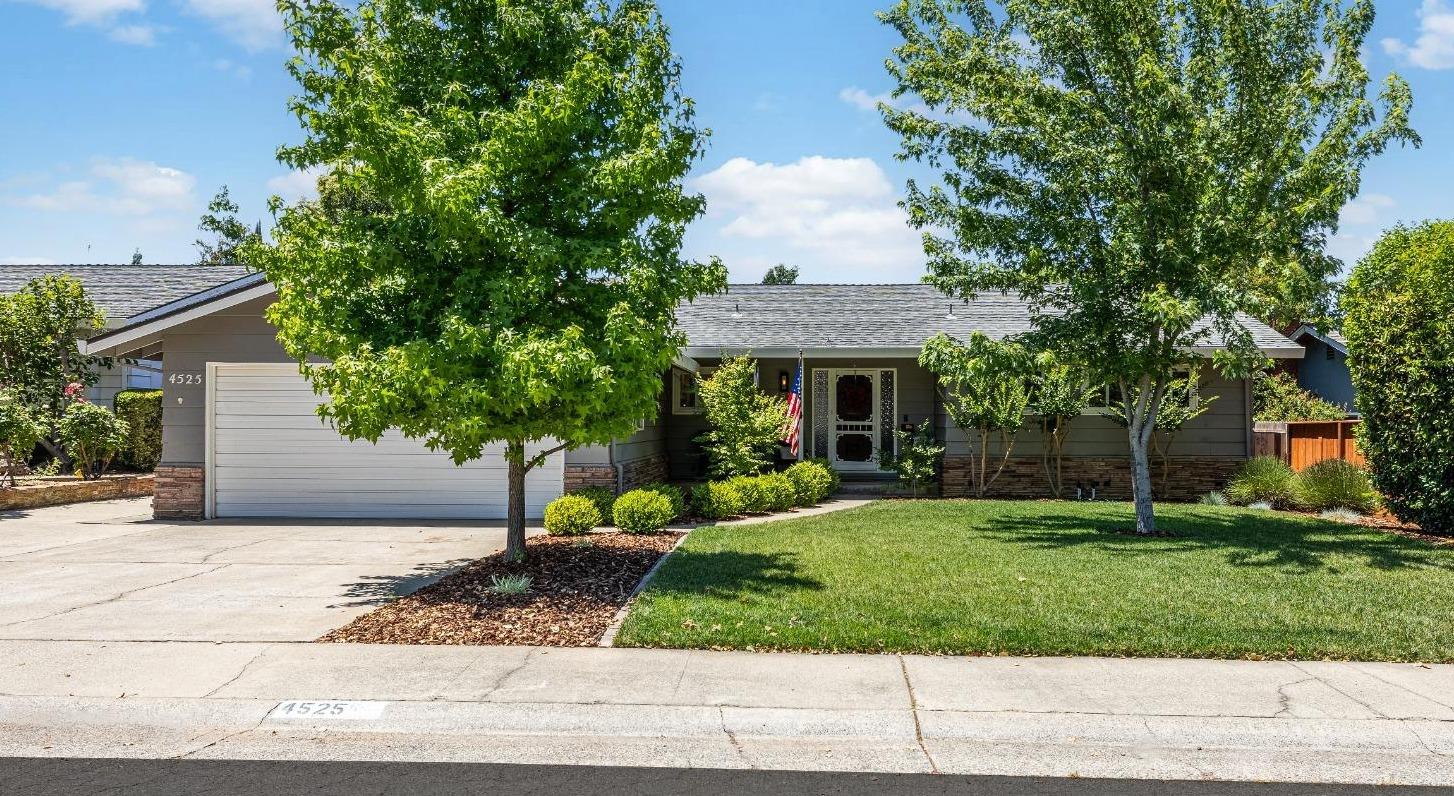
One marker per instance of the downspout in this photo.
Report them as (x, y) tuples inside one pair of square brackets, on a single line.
[(620, 469)]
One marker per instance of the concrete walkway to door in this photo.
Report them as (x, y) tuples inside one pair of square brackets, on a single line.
[(107, 571)]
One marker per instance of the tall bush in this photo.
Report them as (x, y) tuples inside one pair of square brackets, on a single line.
[(918, 457), (746, 423), (93, 436), (1061, 393), (142, 412), (19, 433), (1277, 398), (1399, 321)]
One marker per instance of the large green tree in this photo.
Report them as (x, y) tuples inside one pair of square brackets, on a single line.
[(229, 236), (1141, 171), (499, 259), (41, 365)]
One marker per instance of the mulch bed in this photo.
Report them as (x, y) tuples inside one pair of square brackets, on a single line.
[(577, 586)]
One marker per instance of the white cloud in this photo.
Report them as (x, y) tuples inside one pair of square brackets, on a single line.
[(1434, 49), (103, 14), (836, 217), (1366, 209), (864, 101), (122, 186), (92, 12), (239, 71), (295, 185), (140, 35), (255, 24)]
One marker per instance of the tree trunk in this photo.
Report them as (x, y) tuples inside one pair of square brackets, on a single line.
[(515, 518), (1141, 483)]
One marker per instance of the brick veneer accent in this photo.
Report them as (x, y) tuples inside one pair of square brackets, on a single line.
[(654, 469), (178, 494), (34, 495), (1189, 479), (580, 476)]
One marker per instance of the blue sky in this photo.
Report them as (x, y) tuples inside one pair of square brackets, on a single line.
[(121, 118)]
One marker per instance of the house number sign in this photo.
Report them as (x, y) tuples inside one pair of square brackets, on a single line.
[(328, 709), (185, 379)]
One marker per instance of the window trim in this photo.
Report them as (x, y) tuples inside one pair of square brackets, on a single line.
[(676, 389)]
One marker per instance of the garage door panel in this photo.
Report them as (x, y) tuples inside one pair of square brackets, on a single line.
[(271, 456)]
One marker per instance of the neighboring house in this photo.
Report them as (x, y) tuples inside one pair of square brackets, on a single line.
[(1323, 371), (240, 436), (121, 291)]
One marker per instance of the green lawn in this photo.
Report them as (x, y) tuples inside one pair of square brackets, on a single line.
[(1053, 578)]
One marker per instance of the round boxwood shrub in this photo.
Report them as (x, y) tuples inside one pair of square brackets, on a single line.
[(834, 479), (812, 480), (778, 491), (571, 515), (1264, 479), (716, 500), (1399, 322), (751, 498), (672, 493), (643, 511), (1335, 484), (605, 500)]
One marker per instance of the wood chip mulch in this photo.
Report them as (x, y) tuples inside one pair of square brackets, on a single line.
[(577, 586)]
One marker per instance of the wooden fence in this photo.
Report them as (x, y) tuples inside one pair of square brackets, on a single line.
[(1304, 443)]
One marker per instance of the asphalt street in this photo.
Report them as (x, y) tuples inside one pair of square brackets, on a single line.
[(45, 776)]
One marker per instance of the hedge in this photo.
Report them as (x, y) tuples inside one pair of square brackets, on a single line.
[(142, 411), (1399, 322)]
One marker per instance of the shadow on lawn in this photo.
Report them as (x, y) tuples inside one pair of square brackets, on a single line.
[(1250, 540), (729, 573)]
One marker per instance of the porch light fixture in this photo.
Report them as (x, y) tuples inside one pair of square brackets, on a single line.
[(782, 381)]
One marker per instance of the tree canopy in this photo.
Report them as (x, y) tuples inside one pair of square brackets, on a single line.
[(498, 260), (1141, 171), (781, 274), (229, 236)]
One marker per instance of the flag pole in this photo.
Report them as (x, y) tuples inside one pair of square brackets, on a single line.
[(802, 415)]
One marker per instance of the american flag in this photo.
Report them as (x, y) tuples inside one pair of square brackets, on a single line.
[(794, 427)]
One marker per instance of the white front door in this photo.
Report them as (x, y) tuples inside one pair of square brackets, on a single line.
[(853, 411)]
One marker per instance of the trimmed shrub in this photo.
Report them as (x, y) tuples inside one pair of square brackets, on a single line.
[(811, 480), (751, 497), (92, 436), (835, 480), (1264, 479), (19, 433), (605, 500), (643, 511), (1335, 484), (571, 515), (1276, 397), (142, 411), (673, 494), (778, 491), (1399, 321), (716, 500)]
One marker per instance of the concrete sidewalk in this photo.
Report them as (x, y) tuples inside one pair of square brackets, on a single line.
[(1183, 719)]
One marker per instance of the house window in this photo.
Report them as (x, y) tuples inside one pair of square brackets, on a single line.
[(1109, 395), (684, 397)]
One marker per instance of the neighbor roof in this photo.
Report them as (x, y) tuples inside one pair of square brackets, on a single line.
[(122, 291), (765, 318), (1332, 337)]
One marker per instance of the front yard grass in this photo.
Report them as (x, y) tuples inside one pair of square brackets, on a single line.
[(1054, 578)]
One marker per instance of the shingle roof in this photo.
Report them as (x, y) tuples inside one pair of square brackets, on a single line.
[(125, 290), (862, 316)]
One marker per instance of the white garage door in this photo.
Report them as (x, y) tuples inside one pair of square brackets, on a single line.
[(270, 456)]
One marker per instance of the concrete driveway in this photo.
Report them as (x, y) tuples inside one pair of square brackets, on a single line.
[(106, 571)]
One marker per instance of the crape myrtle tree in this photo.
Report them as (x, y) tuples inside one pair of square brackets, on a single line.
[(1140, 171), (497, 261)]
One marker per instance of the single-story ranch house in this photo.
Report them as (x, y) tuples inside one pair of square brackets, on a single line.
[(241, 439)]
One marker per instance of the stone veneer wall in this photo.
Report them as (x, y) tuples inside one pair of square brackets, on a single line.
[(654, 469), (178, 493), (580, 476), (1189, 479), (34, 495)]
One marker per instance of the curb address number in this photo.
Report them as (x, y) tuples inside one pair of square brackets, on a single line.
[(327, 709)]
